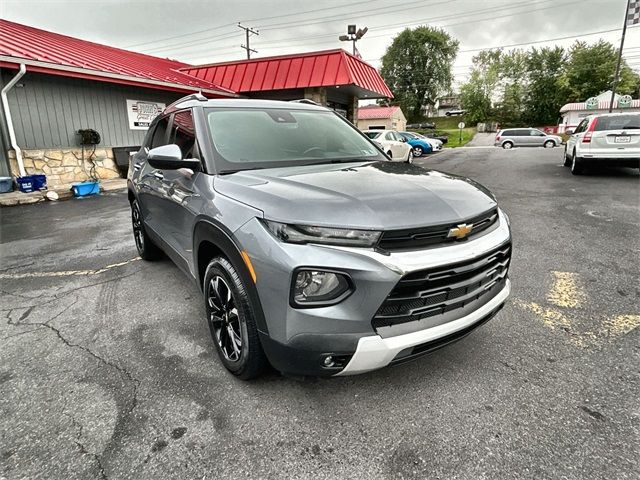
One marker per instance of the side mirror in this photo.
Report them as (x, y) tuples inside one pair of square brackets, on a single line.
[(169, 157), (569, 131)]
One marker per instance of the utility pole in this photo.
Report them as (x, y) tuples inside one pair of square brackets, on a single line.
[(616, 77), (248, 32)]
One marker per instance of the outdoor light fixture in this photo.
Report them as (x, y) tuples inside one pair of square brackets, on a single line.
[(353, 35)]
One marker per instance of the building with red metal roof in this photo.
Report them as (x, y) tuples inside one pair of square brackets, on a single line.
[(375, 117), (55, 85)]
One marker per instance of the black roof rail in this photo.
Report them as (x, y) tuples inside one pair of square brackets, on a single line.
[(193, 96), (307, 101)]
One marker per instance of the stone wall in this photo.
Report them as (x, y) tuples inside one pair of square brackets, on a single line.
[(65, 166)]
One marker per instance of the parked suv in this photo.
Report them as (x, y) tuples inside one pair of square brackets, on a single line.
[(313, 251), (611, 139), (526, 137)]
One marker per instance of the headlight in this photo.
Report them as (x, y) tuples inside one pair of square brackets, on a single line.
[(315, 288), (325, 235)]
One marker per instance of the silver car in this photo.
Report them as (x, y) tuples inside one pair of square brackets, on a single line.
[(526, 137), (611, 139), (314, 252)]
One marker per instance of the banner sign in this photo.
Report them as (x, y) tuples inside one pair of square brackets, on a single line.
[(141, 113)]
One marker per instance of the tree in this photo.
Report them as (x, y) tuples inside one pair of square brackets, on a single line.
[(590, 69), (543, 98), (512, 89), (417, 67), (476, 94)]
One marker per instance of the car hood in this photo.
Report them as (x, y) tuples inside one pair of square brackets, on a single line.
[(373, 195)]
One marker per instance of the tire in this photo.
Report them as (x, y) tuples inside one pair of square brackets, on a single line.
[(418, 151), (567, 160), (389, 154), (231, 318), (145, 246), (576, 164), (549, 144), (410, 156), (507, 145)]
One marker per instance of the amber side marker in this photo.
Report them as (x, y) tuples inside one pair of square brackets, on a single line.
[(247, 262)]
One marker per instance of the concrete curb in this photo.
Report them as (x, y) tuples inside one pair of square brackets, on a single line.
[(64, 193)]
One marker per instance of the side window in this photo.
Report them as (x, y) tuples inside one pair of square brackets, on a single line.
[(581, 126), (507, 133), (389, 136), (183, 133), (160, 133)]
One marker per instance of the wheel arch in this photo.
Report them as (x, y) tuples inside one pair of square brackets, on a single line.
[(211, 240)]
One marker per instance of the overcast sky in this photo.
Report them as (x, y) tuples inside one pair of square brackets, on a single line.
[(200, 31)]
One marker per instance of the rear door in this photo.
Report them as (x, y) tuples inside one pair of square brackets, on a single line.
[(617, 135), (396, 146)]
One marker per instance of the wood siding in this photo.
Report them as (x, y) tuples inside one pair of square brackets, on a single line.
[(48, 110)]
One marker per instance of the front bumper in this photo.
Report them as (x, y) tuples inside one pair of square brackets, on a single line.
[(376, 352), (296, 341)]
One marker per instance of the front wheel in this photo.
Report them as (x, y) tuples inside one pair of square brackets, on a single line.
[(567, 159), (410, 156), (389, 154), (231, 321), (417, 151)]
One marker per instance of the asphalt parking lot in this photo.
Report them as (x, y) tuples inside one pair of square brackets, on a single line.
[(107, 369)]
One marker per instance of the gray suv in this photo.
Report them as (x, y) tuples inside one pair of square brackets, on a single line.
[(526, 137), (314, 252)]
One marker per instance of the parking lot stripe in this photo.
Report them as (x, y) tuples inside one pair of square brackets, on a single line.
[(67, 273)]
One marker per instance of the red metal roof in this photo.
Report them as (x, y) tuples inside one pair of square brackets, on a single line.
[(313, 69), (49, 52), (602, 105), (372, 112)]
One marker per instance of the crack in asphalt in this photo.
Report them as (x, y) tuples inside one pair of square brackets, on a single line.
[(58, 296), (83, 449), (133, 381)]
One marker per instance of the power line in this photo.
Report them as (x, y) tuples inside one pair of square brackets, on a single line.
[(350, 14), (470, 13), (390, 27)]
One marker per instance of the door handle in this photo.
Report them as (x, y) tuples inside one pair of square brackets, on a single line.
[(137, 165), (158, 175)]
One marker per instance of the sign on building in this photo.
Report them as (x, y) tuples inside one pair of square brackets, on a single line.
[(141, 113)]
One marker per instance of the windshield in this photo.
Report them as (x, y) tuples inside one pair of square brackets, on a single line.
[(249, 138)]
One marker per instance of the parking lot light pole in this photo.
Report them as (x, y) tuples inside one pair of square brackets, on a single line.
[(616, 77)]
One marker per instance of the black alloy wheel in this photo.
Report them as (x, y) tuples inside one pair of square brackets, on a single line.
[(231, 320)]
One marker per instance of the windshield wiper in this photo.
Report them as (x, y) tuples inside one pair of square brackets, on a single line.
[(231, 170)]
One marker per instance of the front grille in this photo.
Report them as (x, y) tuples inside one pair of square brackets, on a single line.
[(415, 238), (427, 293)]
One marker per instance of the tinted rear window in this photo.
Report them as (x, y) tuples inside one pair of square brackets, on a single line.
[(618, 122)]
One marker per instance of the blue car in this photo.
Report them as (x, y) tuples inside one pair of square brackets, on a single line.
[(419, 145)]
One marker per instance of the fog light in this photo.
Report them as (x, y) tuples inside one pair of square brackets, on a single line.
[(314, 288), (328, 362)]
